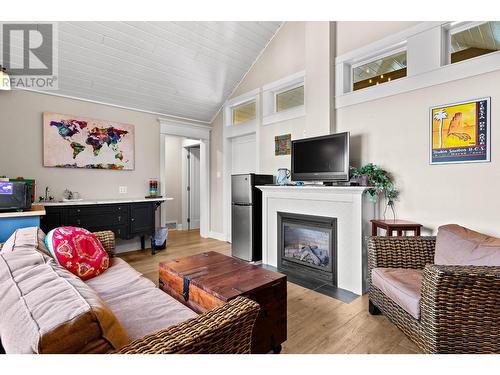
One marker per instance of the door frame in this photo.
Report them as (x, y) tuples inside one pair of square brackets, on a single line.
[(187, 144), (230, 132), (199, 132)]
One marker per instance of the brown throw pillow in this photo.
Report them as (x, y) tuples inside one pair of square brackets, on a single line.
[(456, 245)]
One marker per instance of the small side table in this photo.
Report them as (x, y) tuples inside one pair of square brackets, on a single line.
[(395, 225)]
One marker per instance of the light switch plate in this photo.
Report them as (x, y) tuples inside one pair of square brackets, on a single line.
[(122, 190)]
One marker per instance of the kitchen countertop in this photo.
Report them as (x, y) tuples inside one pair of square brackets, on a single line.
[(35, 210), (105, 201)]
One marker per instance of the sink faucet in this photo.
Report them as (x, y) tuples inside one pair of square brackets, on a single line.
[(47, 197)]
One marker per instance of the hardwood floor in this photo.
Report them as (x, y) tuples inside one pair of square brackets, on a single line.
[(316, 323)]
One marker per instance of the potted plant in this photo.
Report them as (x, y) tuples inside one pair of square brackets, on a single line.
[(380, 183)]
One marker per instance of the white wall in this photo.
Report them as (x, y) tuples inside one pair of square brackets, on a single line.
[(298, 46), (393, 133), (21, 149), (21, 146), (356, 34)]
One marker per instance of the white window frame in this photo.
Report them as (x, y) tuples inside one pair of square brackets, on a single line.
[(400, 47), (427, 63), (453, 28), (270, 114), (252, 96)]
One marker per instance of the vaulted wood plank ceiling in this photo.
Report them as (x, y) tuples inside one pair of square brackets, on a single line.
[(184, 69)]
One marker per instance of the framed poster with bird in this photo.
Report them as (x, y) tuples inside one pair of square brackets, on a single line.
[(460, 132)]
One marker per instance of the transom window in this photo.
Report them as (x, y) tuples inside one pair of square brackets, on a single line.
[(290, 98), (474, 40), (381, 70), (244, 112)]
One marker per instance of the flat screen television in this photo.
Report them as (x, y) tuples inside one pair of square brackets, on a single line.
[(321, 158)]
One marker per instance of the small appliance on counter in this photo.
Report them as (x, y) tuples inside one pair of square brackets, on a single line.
[(283, 177), (15, 196), (246, 215)]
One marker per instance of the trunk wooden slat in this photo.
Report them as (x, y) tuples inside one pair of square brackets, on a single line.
[(215, 279)]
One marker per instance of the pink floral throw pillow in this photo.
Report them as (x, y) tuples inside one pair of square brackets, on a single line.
[(77, 250)]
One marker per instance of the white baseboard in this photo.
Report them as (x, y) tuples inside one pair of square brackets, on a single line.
[(217, 236), (173, 225)]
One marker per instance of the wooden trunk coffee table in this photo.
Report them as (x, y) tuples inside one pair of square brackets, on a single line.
[(205, 281)]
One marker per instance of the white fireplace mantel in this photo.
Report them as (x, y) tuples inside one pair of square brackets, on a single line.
[(347, 204)]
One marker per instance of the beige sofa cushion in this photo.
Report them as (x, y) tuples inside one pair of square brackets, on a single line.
[(140, 306), (402, 286), (46, 309), (456, 245), (31, 237)]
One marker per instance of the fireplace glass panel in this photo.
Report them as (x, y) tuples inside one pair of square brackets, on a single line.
[(310, 246)]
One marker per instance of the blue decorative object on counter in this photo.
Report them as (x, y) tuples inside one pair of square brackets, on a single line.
[(283, 177)]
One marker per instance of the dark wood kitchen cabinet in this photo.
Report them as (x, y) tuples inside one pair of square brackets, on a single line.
[(125, 219)]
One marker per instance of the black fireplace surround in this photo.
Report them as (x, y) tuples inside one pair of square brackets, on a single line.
[(308, 247)]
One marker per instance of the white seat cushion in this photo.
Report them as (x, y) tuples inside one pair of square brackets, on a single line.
[(402, 286)]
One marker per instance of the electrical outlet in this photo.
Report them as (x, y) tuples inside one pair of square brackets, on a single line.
[(122, 189)]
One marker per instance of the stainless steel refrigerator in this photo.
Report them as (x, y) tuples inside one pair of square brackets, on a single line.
[(246, 215)]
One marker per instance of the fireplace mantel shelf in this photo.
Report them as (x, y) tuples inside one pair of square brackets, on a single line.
[(315, 189), (346, 204)]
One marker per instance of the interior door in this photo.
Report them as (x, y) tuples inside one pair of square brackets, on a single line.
[(243, 155), (194, 188)]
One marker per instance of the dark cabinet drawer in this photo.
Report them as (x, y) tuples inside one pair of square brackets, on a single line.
[(120, 231), (104, 217), (97, 210), (85, 221)]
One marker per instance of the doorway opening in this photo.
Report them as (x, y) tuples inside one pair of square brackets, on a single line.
[(191, 134), (182, 186)]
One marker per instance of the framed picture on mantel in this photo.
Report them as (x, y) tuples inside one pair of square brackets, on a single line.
[(79, 142), (460, 132)]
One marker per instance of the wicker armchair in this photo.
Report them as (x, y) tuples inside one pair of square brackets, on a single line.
[(224, 330), (459, 306)]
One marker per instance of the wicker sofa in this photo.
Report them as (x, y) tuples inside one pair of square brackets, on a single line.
[(459, 305), (46, 309)]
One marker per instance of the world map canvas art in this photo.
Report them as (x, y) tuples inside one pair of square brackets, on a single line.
[(76, 142)]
